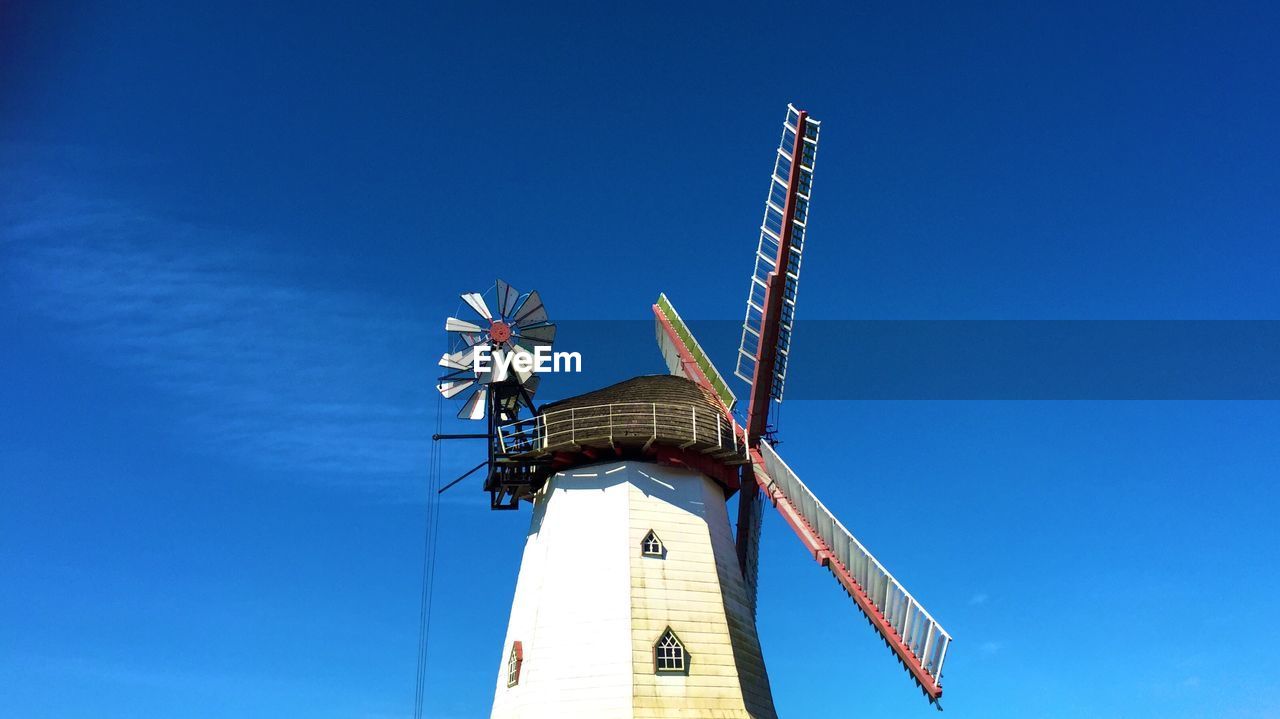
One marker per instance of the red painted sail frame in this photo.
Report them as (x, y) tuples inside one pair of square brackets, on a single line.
[(767, 346)]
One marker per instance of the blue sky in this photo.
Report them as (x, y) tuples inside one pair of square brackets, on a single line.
[(229, 234)]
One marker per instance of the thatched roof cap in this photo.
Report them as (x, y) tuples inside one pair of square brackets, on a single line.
[(661, 388)]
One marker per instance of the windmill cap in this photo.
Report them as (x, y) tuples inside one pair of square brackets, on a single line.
[(663, 388)]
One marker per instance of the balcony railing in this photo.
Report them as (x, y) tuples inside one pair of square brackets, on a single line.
[(626, 424)]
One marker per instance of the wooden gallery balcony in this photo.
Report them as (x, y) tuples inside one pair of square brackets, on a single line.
[(626, 425)]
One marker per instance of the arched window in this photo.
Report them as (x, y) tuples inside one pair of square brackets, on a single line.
[(651, 546), (514, 662), (669, 654)]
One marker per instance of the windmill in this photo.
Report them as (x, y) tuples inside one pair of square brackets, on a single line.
[(635, 597)]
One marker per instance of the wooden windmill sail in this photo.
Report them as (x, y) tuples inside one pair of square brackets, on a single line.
[(907, 628), (917, 640)]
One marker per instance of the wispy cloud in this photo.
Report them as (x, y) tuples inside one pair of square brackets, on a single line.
[(107, 671), (165, 683), (312, 380), (978, 599)]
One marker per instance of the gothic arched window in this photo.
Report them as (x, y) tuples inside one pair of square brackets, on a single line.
[(651, 546), (669, 654), (514, 662)]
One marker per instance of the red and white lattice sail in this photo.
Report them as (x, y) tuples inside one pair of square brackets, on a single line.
[(914, 636)]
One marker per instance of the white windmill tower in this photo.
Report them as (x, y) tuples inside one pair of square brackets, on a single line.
[(636, 598)]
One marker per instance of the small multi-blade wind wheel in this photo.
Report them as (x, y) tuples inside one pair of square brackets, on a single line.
[(517, 323)]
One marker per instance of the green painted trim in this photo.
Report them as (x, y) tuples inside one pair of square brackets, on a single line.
[(704, 362)]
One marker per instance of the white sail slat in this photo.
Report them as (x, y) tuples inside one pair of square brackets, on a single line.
[(772, 231), (914, 635), (675, 340)]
